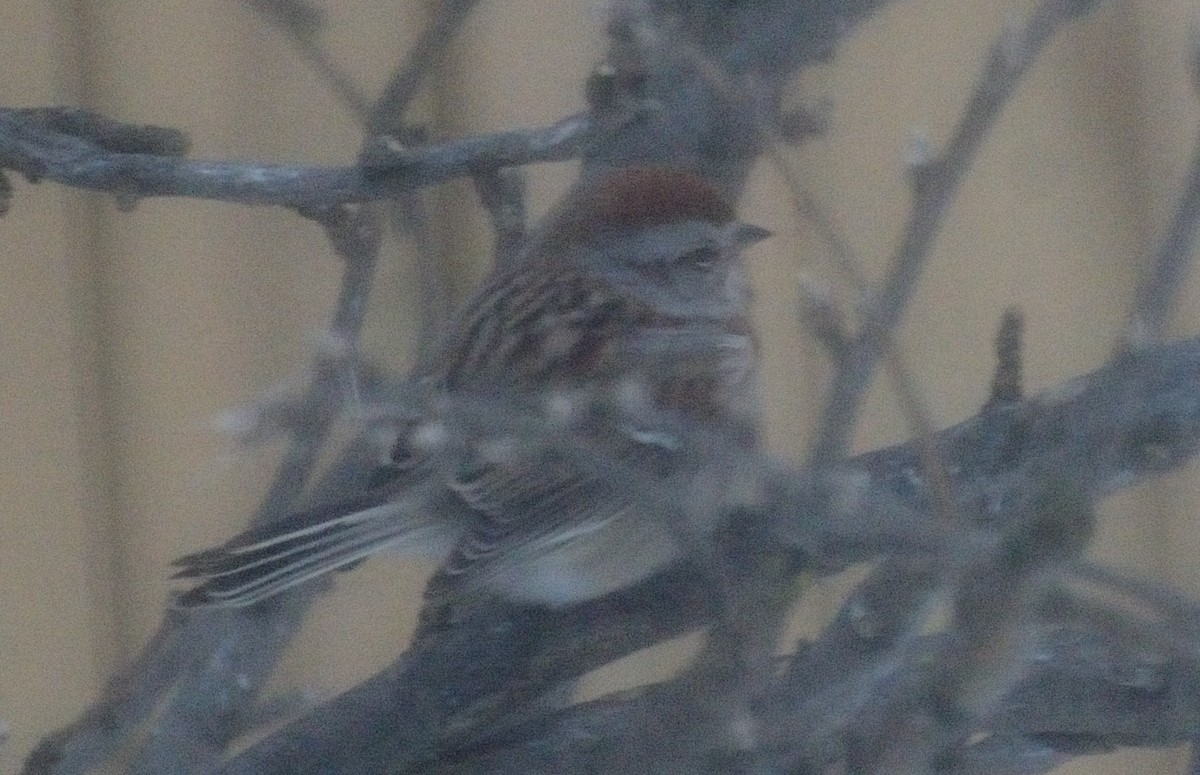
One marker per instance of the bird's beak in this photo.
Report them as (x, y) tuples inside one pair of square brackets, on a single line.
[(746, 234)]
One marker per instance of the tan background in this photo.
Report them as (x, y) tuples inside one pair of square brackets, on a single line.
[(126, 334)]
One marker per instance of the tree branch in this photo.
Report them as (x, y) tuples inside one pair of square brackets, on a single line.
[(1163, 279), (39, 151), (935, 181), (997, 454)]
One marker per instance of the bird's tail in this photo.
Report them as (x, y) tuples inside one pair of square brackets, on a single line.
[(265, 561)]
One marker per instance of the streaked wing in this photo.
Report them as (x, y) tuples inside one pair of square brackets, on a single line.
[(552, 496)]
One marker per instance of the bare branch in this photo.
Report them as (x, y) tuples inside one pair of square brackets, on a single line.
[(1007, 382), (383, 122), (299, 19), (1000, 455), (302, 22), (935, 183), (40, 152), (1161, 283), (502, 192), (422, 58), (218, 661), (1076, 686), (469, 699)]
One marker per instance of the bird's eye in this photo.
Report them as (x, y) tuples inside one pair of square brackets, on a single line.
[(703, 258)]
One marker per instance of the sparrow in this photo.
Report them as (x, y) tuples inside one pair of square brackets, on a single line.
[(555, 457)]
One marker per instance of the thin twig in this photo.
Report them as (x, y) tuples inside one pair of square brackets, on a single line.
[(407, 215), (420, 61), (302, 24), (1161, 284), (355, 236), (935, 183), (843, 256), (1008, 382), (385, 123), (502, 192)]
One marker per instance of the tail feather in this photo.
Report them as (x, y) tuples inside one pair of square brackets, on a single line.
[(265, 561)]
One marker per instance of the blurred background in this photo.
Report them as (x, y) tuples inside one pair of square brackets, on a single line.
[(129, 334)]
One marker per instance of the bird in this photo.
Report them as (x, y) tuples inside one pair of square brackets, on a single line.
[(560, 401)]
